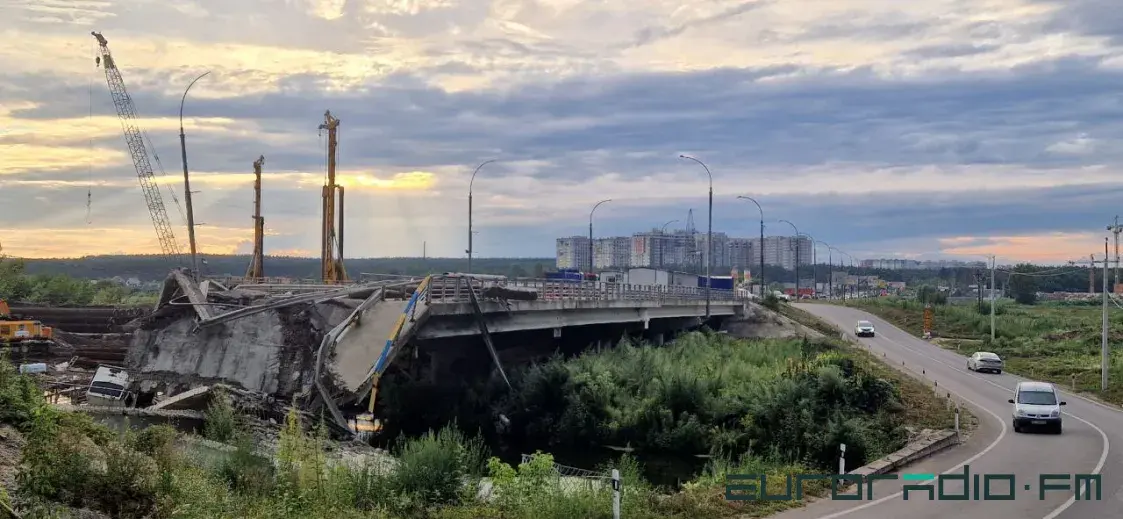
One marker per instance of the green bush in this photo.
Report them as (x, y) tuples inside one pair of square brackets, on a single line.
[(220, 424), (436, 467)]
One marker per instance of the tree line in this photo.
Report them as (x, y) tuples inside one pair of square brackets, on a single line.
[(18, 286), (155, 268)]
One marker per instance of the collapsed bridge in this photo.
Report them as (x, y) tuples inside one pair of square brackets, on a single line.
[(327, 346)]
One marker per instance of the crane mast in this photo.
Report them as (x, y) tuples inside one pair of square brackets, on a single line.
[(257, 270), (126, 111), (331, 262)]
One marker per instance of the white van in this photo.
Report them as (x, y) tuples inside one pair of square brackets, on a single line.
[(109, 387), (1037, 404)]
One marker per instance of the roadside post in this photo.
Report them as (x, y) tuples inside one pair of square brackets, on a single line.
[(842, 458), (615, 494), (956, 422)]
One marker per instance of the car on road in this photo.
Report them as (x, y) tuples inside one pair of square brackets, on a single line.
[(864, 329), (982, 361), (1037, 404)]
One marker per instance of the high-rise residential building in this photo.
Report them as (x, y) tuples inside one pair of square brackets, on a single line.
[(743, 254), (573, 253), (612, 252), (682, 250)]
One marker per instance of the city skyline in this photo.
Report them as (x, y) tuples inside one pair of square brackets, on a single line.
[(900, 154)]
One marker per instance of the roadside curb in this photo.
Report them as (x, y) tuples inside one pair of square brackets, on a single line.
[(911, 453)]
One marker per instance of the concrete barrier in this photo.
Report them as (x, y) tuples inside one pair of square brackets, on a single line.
[(911, 453)]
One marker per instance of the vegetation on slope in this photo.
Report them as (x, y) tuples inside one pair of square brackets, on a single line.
[(1056, 342), (789, 401), (777, 407)]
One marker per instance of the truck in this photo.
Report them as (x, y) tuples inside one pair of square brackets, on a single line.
[(15, 329), (717, 282)]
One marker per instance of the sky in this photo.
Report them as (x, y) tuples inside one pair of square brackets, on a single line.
[(888, 129)]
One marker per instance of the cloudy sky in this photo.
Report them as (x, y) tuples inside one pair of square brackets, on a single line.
[(941, 128)]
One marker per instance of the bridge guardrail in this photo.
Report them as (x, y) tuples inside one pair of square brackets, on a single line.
[(454, 289)]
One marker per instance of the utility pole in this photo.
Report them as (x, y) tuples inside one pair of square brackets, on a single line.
[(979, 286), (1092, 275), (992, 265), (1104, 353), (1115, 229)]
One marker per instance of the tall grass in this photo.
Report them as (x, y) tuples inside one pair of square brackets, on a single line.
[(1057, 342)]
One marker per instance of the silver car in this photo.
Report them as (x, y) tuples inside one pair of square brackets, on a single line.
[(864, 329), (984, 361), (1037, 404)]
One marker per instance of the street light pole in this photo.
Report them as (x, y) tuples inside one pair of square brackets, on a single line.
[(762, 284), (663, 246), (592, 265), (187, 179), (470, 183), (796, 256), (709, 237), (830, 272)]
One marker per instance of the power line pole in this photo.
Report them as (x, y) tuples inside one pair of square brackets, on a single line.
[(1115, 229), (1104, 353), (992, 265)]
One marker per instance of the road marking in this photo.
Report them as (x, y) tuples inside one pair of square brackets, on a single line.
[(1103, 455), (968, 461)]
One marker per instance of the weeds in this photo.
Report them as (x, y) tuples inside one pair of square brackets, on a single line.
[(775, 407)]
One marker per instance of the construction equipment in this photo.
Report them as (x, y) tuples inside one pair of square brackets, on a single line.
[(257, 271), (14, 330), (331, 266), (126, 111)]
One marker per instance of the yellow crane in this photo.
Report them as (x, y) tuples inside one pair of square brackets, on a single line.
[(256, 270), (331, 262)]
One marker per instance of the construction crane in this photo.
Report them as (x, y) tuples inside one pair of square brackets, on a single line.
[(257, 271), (126, 111), (331, 265)]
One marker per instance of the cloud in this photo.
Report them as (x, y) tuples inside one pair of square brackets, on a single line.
[(880, 130)]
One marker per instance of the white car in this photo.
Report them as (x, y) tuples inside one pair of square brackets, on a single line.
[(864, 329), (1037, 404), (982, 361)]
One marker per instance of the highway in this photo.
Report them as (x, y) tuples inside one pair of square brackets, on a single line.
[(1091, 429)]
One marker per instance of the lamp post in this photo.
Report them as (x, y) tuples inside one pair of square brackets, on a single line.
[(830, 273), (796, 256), (470, 183), (709, 233), (592, 265), (663, 246), (761, 241), (187, 179), (814, 279)]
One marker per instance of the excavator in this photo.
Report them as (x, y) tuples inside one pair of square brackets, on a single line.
[(22, 331)]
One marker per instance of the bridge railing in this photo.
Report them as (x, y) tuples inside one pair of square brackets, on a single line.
[(454, 289)]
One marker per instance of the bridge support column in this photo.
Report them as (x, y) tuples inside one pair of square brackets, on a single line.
[(557, 333), (658, 339)]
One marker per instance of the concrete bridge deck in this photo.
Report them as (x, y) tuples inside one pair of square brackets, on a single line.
[(365, 326), (458, 305)]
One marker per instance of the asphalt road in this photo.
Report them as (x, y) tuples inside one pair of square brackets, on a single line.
[(1090, 430)]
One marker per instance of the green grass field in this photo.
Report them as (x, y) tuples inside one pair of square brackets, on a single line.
[(1056, 342)]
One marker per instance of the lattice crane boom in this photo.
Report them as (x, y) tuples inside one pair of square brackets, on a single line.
[(126, 111)]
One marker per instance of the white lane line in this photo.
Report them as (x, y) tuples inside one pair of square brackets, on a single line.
[(968, 461), (1103, 455)]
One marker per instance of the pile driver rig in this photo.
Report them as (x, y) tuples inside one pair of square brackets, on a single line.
[(331, 266), (256, 271)]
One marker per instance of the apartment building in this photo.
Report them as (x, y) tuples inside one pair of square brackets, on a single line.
[(573, 253), (683, 251)]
